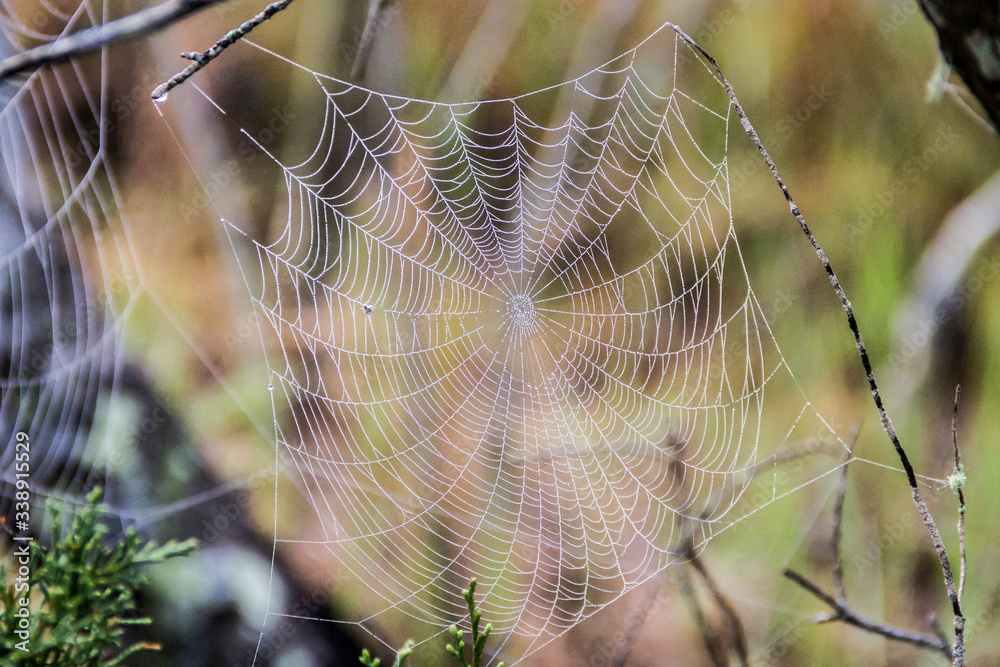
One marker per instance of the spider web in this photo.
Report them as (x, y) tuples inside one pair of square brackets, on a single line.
[(69, 281), (518, 342), (65, 275)]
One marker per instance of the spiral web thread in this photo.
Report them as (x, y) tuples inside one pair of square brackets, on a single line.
[(65, 273), (518, 342)]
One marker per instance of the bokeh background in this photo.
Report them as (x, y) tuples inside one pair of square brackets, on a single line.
[(888, 158)]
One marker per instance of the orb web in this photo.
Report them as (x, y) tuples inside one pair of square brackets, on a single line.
[(518, 341), (65, 266)]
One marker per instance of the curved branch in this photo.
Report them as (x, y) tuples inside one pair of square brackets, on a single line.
[(93, 39), (201, 59)]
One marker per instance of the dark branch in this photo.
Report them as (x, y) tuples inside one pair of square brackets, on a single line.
[(735, 624), (93, 39), (230, 38), (842, 613), (708, 636), (969, 33), (887, 425), (957, 482)]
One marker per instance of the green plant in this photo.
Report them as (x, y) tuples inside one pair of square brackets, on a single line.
[(368, 661), (457, 650), (478, 639), (79, 597)]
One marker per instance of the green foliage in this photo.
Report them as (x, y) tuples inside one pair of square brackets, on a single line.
[(368, 661), (81, 594), (478, 639), (457, 650)]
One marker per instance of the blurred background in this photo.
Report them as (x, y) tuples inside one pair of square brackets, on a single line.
[(890, 161)]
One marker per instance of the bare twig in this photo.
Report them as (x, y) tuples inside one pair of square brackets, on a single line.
[(93, 39), (842, 613), (735, 625), (838, 519), (230, 38), (376, 16), (887, 426), (957, 481), (708, 636)]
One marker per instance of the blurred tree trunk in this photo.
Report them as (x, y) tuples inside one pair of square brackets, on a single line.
[(969, 33)]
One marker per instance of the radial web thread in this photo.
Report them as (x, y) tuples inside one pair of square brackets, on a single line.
[(518, 342)]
